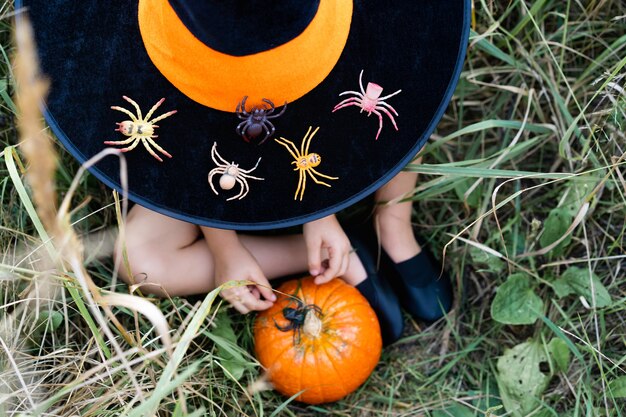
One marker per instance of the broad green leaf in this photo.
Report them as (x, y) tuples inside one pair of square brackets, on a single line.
[(484, 259), (456, 410), (473, 200), (560, 354), (516, 302), (226, 342), (618, 387), (577, 281), (520, 379), (554, 227)]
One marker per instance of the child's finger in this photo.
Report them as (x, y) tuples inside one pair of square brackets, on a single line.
[(314, 255), (264, 288), (255, 292)]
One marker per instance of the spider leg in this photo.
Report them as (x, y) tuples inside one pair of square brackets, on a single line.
[(267, 131), (244, 189), (135, 105), (240, 126), (149, 149), (305, 150), (132, 146), (318, 181), (156, 106), (322, 175), (286, 143), (160, 149), (212, 173), (384, 110), (356, 93), (390, 95), (382, 103), (380, 122), (361, 82), (121, 142), (352, 101), (247, 171), (163, 116), (241, 108), (301, 185), (272, 107), (250, 176), (123, 110), (214, 154), (279, 114), (285, 328)]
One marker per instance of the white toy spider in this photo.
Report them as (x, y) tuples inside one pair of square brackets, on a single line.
[(140, 129), (370, 101), (230, 174)]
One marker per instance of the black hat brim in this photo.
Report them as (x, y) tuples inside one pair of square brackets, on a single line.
[(93, 53)]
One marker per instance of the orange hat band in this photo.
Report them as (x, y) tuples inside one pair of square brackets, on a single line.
[(220, 81)]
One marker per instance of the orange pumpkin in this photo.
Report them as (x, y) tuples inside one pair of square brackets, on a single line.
[(323, 340)]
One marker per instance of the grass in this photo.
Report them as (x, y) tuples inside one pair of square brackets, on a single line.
[(531, 149)]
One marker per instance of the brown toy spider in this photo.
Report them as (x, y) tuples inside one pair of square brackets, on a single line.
[(305, 162), (140, 129), (257, 120), (370, 101), (230, 175)]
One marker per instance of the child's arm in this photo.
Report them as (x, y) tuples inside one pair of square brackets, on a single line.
[(233, 262), (326, 233)]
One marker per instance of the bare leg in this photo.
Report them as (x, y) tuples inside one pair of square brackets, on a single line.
[(394, 219), (171, 257)]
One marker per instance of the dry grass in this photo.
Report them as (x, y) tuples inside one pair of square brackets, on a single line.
[(537, 122)]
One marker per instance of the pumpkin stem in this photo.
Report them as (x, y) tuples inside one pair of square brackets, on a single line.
[(312, 326)]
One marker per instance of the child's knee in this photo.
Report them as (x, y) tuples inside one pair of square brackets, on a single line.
[(143, 267)]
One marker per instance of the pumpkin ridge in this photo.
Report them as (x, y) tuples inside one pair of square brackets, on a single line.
[(302, 369), (357, 347), (280, 353), (360, 303), (337, 288), (337, 373)]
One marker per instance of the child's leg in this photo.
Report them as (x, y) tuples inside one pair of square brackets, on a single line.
[(393, 220), (174, 257)]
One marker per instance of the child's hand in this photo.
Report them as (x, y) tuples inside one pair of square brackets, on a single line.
[(326, 233), (233, 262)]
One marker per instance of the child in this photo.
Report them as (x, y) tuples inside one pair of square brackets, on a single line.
[(243, 81), (173, 257)]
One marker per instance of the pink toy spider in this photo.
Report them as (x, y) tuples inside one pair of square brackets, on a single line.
[(370, 101)]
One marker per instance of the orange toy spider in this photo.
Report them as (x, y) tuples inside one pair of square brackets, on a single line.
[(140, 129), (305, 162)]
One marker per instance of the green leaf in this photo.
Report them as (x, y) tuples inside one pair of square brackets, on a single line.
[(560, 354), (554, 227), (484, 259), (520, 380), (473, 200), (618, 387), (516, 302), (577, 281), (226, 343), (456, 410)]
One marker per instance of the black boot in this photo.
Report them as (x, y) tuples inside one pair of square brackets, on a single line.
[(380, 295), (422, 292)]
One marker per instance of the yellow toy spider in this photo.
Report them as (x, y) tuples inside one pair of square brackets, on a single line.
[(140, 129), (305, 162)]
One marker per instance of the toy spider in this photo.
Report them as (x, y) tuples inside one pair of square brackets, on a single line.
[(370, 101), (230, 174), (305, 162), (257, 120), (140, 129), (296, 317)]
